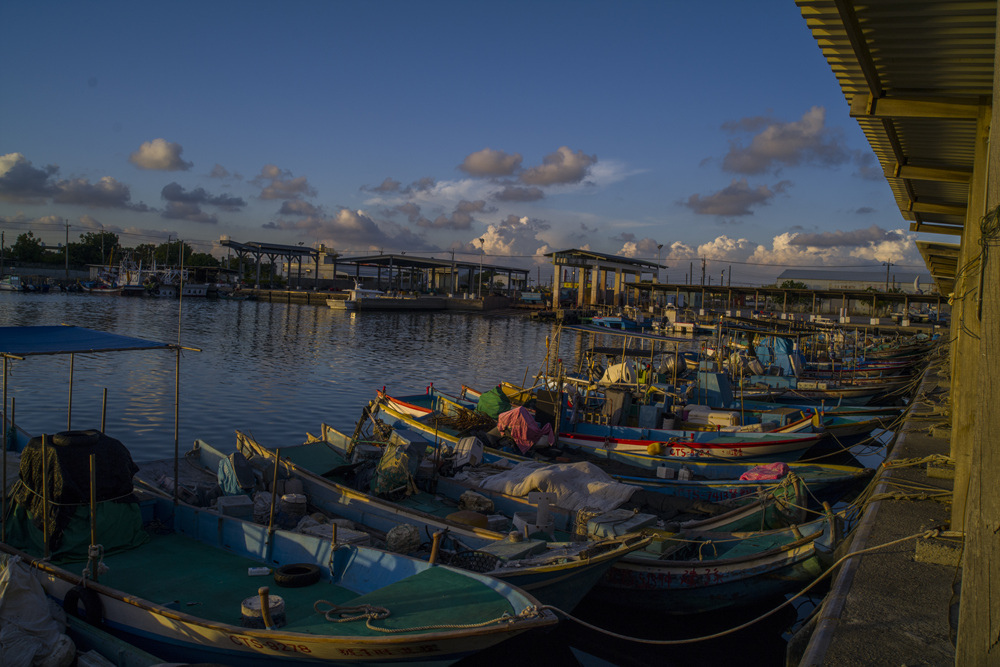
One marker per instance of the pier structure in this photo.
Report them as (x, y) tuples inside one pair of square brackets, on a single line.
[(590, 276), (920, 78)]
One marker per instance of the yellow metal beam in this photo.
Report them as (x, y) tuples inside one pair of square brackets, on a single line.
[(954, 175), (937, 209), (936, 229), (865, 104)]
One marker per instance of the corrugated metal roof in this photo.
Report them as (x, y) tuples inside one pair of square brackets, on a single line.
[(918, 75), (850, 275)]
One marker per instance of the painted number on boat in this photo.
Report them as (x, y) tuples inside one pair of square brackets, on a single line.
[(402, 650), (250, 642)]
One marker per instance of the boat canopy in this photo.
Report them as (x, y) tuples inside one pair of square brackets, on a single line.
[(62, 339)]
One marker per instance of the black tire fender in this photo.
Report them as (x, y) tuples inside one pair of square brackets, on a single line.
[(76, 438), (297, 575), (93, 609)]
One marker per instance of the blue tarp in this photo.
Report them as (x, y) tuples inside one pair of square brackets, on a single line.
[(780, 352), (27, 341)]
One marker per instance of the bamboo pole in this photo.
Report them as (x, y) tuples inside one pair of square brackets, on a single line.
[(104, 409), (435, 547), (274, 498), (45, 496), (91, 555), (177, 414), (69, 407), (3, 500)]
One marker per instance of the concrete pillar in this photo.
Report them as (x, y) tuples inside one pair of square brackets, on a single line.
[(975, 397), (618, 287), (555, 286), (581, 286), (966, 331), (595, 281)]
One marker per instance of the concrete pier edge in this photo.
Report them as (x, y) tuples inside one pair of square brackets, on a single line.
[(833, 604)]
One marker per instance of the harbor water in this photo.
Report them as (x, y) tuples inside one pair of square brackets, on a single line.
[(280, 370)]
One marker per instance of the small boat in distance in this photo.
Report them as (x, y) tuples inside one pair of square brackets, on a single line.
[(353, 296)]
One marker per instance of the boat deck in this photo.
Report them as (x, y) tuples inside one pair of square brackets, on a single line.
[(187, 576)]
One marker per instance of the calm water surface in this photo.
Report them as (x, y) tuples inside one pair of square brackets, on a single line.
[(276, 370), (280, 370)]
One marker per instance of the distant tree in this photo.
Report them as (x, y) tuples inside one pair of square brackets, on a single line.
[(169, 253), (793, 284), (144, 252), (201, 259), (95, 248), (27, 248)]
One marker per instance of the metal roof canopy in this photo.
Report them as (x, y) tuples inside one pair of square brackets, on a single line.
[(417, 262), (257, 248), (918, 76), (22, 342), (942, 260), (589, 259), (874, 275)]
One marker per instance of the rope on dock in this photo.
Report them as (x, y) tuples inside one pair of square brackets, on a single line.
[(693, 640)]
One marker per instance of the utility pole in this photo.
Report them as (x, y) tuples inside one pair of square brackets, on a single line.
[(1, 258), (730, 283), (703, 271), (66, 252), (887, 264), (482, 251)]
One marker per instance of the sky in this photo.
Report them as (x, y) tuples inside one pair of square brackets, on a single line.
[(660, 130)]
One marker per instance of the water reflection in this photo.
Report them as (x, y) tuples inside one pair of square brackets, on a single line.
[(279, 370), (276, 370)]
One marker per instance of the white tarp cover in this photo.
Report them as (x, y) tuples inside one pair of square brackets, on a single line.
[(29, 634), (576, 485), (623, 372)]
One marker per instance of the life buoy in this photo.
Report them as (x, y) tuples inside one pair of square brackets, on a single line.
[(93, 610), (297, 575)]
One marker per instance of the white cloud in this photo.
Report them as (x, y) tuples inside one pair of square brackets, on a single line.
[(160, 154)]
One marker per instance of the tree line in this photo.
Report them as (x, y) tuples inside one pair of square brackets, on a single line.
[(102, 248)]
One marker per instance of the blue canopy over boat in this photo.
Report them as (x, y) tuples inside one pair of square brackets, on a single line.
[(27, 341)]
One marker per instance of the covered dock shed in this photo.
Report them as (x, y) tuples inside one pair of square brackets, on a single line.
[(920, 77)]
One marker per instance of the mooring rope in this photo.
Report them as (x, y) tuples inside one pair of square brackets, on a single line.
[(693, 640)]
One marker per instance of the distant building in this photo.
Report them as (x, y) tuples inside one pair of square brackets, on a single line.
[(849, 279)]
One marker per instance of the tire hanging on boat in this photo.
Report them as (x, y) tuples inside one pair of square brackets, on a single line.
[(93, 609)]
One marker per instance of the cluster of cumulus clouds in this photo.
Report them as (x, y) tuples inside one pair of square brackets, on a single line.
[(497, 204)]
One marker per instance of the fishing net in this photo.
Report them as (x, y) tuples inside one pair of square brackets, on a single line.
[(466, 421)]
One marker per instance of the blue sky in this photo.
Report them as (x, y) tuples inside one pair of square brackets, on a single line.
[(716, 130)]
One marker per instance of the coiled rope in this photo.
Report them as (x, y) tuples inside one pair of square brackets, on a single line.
[(345, 614)]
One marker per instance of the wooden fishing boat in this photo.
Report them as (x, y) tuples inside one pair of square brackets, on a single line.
[(773, 504), (174, 579), (690, 570), (714, 571), (558, 573), (678, 443), (712, 481)]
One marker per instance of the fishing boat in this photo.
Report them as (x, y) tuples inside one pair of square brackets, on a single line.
[(354, 295), (738, 557), (683, 443), (177, 580), (701, 479), (233, 295), (100, 287), (558, 573), (173, 579), (713, 571), (11, 283)]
